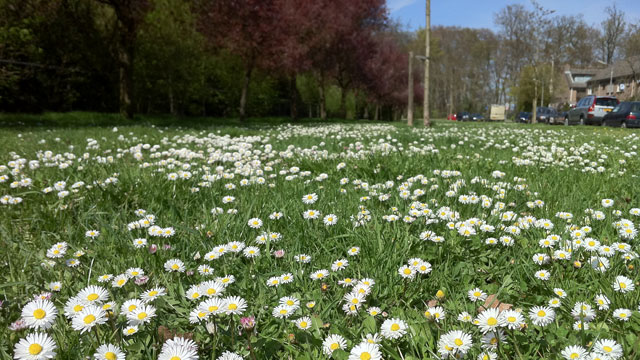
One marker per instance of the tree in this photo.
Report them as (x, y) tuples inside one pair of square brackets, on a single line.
[(129, 15), (613, 29), (247, 28)]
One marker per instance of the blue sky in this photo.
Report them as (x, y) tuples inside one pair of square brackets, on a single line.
[(479, 13)]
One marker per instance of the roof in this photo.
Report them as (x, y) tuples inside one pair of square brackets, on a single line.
[(571, 72), (620, 68)]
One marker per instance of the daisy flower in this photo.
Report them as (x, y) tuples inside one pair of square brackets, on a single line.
[(35, 346), (330, 220), (622, 314), (339, 264), (608, 348), (109, 352), (488, 320), (153, 294), (623, 284), (303, 323), (89, 317), (141, 315), (366, 351), (174, 265), (476, 295), (393, 328), (94, 294), (541, 315), (574, 352), (333, 342), (234, 305), (320, 274), (406, 272), (512, 319), (254, 223), (39, 314)]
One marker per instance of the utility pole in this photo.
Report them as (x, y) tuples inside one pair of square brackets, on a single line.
[(410, 100), (427, 120)]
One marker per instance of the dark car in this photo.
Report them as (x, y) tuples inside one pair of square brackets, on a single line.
[(547, 115), (477, 117), (626, 114), (523, 117), (463, 116), (590, 110)]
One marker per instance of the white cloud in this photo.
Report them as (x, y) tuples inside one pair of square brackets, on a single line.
[(395, 5)]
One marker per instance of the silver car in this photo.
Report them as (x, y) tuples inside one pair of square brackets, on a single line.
[(590, 110)]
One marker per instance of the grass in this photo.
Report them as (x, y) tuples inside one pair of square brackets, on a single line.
[(511, 164)]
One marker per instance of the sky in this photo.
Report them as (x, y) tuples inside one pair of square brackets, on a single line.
[(479, 13)]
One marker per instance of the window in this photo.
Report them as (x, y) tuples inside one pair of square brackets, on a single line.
[(606, 102)]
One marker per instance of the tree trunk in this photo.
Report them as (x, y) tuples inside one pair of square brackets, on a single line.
[(125, 64), (343, 103), (366, 112), (410, 99), (293, 97), (310, 111), (245, 91), (426, 114), (323, 110), (376, 115)]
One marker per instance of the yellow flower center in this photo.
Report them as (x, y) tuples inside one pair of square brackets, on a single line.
[(35, 349), (121, 282), (458, 342), (92, 297), (89, 319), (142, 316), (233, 306), (110, 356), (476, 294), (511, 319), (303, 324), (574, 356), (213, 308), (492, 321), (290, 302), (623, 285), (202, 314), (211, 291), (175, 358), (153, 293), (39, 314), (395, 327), (541, 313), (334, 346), (195, 295), (283, 311), (365, 356), (407, 271), (175, 266), (607, 348)]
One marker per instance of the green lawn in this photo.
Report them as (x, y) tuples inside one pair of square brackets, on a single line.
[(485, 205)]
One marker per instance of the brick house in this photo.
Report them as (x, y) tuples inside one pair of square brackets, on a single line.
[(575, 86), (621, 79)]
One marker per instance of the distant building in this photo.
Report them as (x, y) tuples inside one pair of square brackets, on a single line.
[(575, 86), (620, 80)]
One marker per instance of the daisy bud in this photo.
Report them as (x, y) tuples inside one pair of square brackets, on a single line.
[(141, 280), (166, 247), (278, 253), (153, 248), (577, 264), (248, 322), (440, 294)]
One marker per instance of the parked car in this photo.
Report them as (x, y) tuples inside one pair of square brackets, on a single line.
[(451, 117), (547, 115), (626, 114), (463, 116), (523, 117), (590, 110), (477, 117)]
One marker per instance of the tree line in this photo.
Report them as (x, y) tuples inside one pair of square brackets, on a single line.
[(298, 58)]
